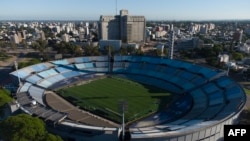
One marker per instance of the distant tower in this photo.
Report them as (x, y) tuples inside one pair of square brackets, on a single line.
[(171, 43), (87, 28)]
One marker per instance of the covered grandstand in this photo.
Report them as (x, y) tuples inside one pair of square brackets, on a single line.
[(208, 99)]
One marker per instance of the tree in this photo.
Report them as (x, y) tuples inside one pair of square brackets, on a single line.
[(61, 47), (130, 49), (48, 32), (237, 56), (74, 50), (217, 49), (24, 44), (68, 48), (61, 33), (24, 127), (123, 50), (13, 46), (4, 56), (4, 99), (159, 52), (212, 61), (108, 50), (91, 51), (41, 46), (3, 44), (139, 51), (77, 50), (35, 45), (51, 137)]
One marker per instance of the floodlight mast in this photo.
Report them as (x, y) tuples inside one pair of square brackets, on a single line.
[(171, 43), (109, 56), (16, 66), (123, 128), (123, 107)]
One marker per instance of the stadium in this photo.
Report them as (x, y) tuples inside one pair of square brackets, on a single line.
[(204, 99)]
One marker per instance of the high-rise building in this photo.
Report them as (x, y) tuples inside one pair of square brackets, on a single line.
[(237, 36), (23, 33), (87, 28), (39, 34), (19, 35), (204, 29), (14, 38), (65, 37), (42, 35), (123, 27)]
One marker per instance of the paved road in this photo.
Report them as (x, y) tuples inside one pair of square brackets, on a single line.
[(6, 67), (4, 75)]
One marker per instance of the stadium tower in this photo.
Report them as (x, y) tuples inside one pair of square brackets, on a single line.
[(171, 43)]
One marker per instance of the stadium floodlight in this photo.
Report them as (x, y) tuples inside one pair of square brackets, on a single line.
[(16, 66), (123, 106), (171, 42)]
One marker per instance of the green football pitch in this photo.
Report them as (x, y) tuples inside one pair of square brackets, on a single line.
[(103, 97)]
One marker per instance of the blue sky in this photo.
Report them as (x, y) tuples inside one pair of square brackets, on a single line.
[(151, 9)]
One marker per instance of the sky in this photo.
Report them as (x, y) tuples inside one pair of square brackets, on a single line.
[(151, 9)]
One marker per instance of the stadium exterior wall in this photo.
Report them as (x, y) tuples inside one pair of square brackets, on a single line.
[(213, 133)]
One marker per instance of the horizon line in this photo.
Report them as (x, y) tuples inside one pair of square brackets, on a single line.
[(146, 20)]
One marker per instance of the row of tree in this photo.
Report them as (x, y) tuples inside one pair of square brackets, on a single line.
[(22, 127), (211, 54), (73, 50)]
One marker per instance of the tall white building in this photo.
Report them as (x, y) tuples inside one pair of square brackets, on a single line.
[(123, 27), (87, 28), (237, 36), (245, 47), (65, 37), (39, 35), (14, 38), (204, 29)]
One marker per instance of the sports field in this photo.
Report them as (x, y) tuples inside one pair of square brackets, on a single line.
[(103, 96)]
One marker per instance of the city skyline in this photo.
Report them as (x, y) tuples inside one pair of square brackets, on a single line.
[(152, 10)]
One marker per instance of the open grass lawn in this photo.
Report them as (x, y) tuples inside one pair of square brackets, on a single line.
[(102, 97)]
